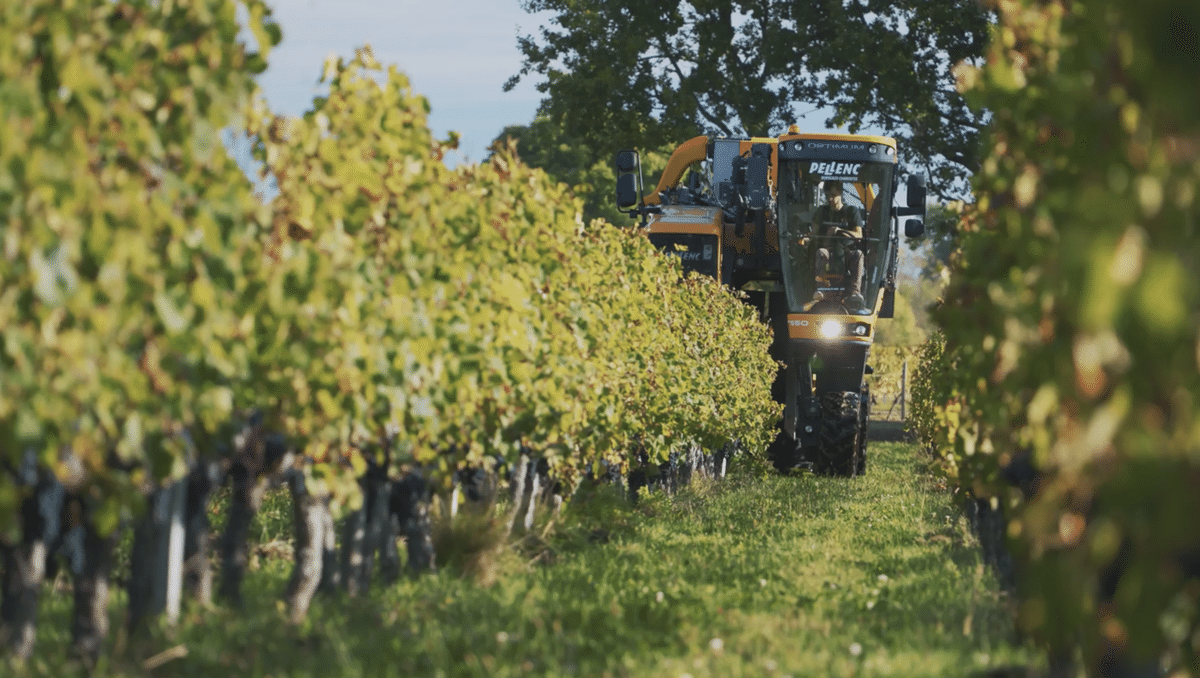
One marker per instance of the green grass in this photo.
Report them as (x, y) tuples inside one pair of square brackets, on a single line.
[(768, 576)]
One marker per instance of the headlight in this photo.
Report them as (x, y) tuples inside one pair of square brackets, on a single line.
[(831, 329)]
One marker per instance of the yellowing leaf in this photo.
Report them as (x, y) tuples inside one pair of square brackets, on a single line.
[(169, 314)]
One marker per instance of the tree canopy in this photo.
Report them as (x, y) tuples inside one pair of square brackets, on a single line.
[(586, 169), (644, 72)]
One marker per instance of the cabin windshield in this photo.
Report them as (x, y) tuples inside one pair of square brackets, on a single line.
[(831, 216)]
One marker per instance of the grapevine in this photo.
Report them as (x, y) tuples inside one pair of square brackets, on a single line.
[(1063, 386)]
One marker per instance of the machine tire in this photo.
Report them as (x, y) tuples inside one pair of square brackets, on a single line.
[(864, 416), (839, 447)]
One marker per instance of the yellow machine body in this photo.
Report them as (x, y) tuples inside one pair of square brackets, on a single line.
[(754, 213)]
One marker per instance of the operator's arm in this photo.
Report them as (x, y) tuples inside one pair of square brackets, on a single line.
[(854, 223), (814, 225)]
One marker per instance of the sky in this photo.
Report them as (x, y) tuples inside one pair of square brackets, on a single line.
[(457, 53)]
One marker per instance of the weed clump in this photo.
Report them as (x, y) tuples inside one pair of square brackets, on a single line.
[(472, 545)]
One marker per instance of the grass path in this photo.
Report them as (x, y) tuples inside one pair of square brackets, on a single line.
[(807, 576)]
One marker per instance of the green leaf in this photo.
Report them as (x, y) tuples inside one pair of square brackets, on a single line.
[(169, 314)]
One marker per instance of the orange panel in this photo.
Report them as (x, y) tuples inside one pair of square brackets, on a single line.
[(809, 327)]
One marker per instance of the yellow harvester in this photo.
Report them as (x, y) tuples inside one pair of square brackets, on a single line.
[(755, 214)]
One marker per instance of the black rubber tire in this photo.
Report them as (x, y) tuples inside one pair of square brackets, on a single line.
[(864, 416), (838, 451)]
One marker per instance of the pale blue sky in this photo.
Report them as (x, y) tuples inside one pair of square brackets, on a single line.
[(457, 53)]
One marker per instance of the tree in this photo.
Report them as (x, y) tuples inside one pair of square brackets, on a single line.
[(925, 263), (640, 73), (585, 168), (939, 246), (903, 329)]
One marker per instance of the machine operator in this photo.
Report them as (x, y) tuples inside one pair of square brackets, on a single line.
[(836, 218)]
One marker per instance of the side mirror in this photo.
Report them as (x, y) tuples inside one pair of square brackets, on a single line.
[(916, 192), (628, 161), (628, 195), (914, 228), (758, 176), (629, 180), (916, 198)]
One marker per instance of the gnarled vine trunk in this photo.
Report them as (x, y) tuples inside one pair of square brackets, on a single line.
[(354, 540), (197, 571), (24, 568), (148, 559), (311, 522), (331, 574), (386, 526), (367, 529), (535, 488), (257, 454), (25, 561), (410, 503), (245, 500), (517, 486), (89, 622)]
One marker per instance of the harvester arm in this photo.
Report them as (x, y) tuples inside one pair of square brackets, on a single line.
[(691, 151)]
